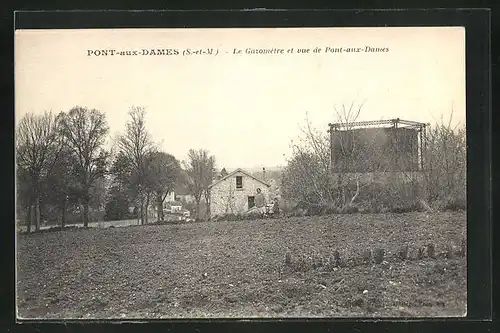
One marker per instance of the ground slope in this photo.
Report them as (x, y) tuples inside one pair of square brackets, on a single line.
[(237, 269)]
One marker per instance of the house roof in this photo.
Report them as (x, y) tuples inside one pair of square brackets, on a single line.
[(246, 173)]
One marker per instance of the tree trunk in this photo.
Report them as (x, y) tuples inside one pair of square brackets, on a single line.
[(86, 208), (198, 207), (159, 207), (147, 210), (142, 211), (29, 217), (37, 213), (85, 215), (207, 201), (63, 214)]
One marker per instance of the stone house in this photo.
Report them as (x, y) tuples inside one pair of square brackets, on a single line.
[(235, 193)]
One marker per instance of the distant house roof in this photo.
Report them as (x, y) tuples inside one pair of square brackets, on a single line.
[(243, 172)]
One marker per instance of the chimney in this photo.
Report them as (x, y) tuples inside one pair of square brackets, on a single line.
[(263, 174)]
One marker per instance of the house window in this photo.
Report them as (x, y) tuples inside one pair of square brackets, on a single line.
[(239, 182)]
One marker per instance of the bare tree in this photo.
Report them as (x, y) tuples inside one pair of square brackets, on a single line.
[(445, 163), (200, 168), (136, 145), (85, 131), (345, 117), (376, 168), (319, 180), (228, 201), (208, 178), (37, 146), (308, 177)]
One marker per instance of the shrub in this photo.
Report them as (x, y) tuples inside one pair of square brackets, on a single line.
[(407, 207), (454, 204), (313, 210), (350, 209), (330, 209)]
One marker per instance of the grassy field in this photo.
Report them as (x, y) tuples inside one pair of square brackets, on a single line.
[(245, 269)]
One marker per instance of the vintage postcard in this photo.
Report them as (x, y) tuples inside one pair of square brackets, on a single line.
[(240, 173)]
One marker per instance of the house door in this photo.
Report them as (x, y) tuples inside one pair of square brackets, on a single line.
[(251, 202)]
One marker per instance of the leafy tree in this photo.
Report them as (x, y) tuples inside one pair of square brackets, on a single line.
[(37, 147), (121, 191), (24, 193), (60, 187), (121, 171), (85, 131), (117, 204), (163, 172)]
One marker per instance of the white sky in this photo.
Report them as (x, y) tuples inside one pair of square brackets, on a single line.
[(245, 109)]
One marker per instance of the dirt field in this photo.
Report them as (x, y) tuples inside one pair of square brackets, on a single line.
[(239, 269)]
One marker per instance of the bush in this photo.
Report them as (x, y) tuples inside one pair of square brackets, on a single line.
[(454, 204), (407, 207), (252, 215), (232, 217)]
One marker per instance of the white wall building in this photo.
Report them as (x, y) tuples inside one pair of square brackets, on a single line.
[(235, 193)]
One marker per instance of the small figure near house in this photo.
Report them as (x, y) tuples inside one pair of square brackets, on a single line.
[(260, 202)]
